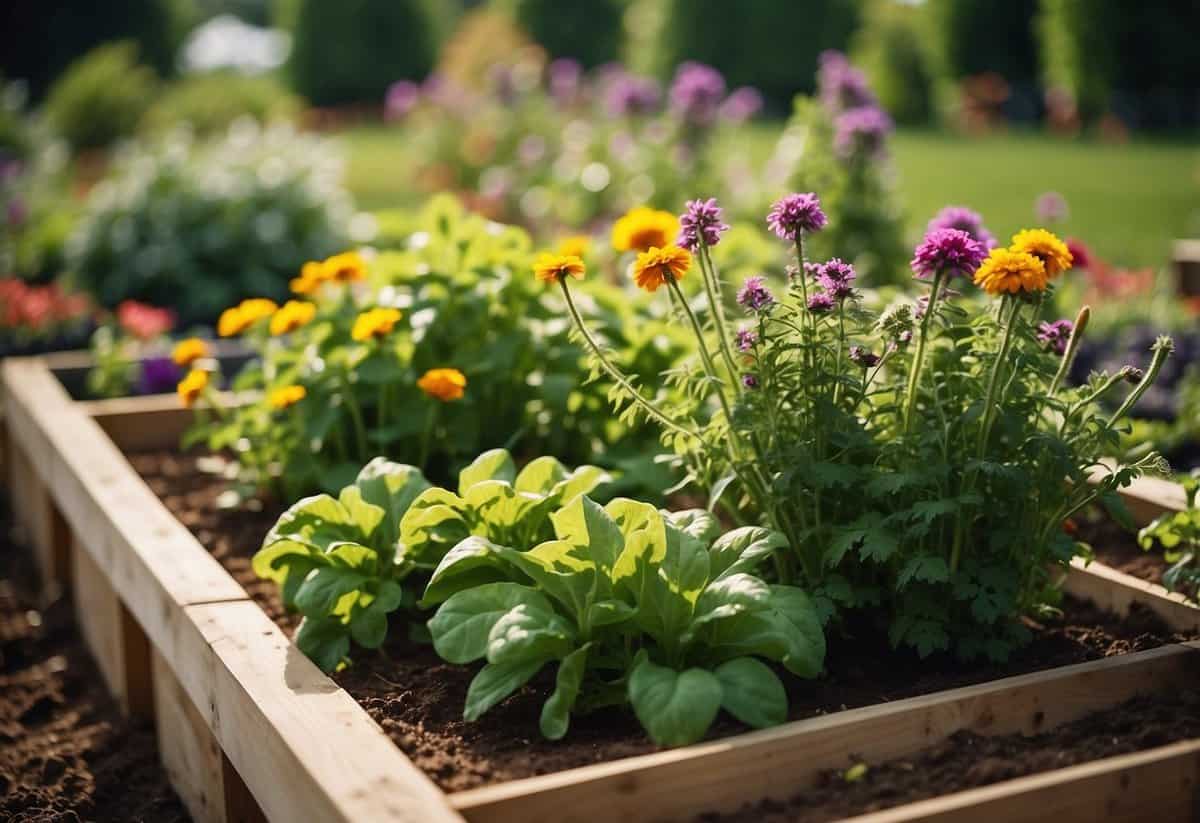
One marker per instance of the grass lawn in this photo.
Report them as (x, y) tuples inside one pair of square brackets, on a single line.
[(1127, 201)]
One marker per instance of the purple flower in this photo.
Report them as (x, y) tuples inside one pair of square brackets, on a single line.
[(628, 94), (1051, 207), (963, 219), (745, 340), (1055, 335), (402, 97), (905, 337), (750, 381), (755, 296), (741, 104), (794, 213), (696, 93), (158, 375), (949, 251), (701, 223), (840, 85), (564, 75), (863, 357), (836, 278), (862, 130), (820, 302)]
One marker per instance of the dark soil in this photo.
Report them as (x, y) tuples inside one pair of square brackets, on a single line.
[(967, 760), (66, 754), (1118, 548), (418, 699)]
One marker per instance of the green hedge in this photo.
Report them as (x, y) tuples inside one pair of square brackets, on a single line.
[(888, 47), (101, 97), (589, 31), (975, 36)]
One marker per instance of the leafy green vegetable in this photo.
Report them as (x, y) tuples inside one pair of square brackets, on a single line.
[(1178, 533)]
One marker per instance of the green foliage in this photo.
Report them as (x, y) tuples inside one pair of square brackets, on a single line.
[(892, 53), (200, 225), (589, 31), (210, 103), (984, 36), (351, 51), (633, 606), (1178, 533), (101, 97)]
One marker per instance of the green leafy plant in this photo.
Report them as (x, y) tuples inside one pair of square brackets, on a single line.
[(1178, 533), (101, 97), (210, 103)]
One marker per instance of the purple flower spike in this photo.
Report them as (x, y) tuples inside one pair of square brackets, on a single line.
[(841, 86), (836, 277), (628, 94), (862, 130), (755, 296), (564, 76), (948, 251), (750, 381), (745, 340), (741, 104), (1056, 335), (820, 303), (796, 213), (402, 98), (862, 357), (701, 223), (963, 219), (696, 93)]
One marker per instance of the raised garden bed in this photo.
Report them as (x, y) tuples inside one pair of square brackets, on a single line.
[(248, 725)]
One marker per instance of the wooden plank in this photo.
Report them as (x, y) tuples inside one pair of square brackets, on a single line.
[(98, 615), (145, 423), (1158, 784), (723, 775), (1148, 497), (1116, 592)]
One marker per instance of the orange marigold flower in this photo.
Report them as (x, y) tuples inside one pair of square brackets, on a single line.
[(312, 275), (187, 352), (443, 384), (374, 323), (644, 228), (287, 396), (1045, 246), (576, 245), (192, 386), (652, 266), (346, 267), (1010, 271), (244, 315), (292, 315), (550, 268)]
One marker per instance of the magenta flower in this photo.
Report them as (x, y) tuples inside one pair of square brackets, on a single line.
[(963, 219), (796, 213), (836, 277), (700, 224), (1055, 335), (863, 357), (948, 251), (402, 97), (1051, 207), (755, 296), (745, 340), (564, 76), (696, 93), (750, 381), (841, 86), (862, 130), (820, 302), (1081, 256), (741, 104), (628, 94)]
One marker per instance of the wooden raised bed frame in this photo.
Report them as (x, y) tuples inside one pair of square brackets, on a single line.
[(250, 729)]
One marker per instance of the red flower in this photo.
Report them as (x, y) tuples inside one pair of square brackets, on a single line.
[(143, 321)]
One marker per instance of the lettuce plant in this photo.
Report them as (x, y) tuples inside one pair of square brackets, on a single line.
[(633, 606), (1178, 533)]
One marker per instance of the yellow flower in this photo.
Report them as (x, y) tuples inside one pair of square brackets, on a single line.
[(187, 352), (345, 267), (644, 228), (374, 323), (576, 245), (287, 396), (244, 315), (443, 384), (312, 275), (652, 266), (1010, 271), (1046, 247), (192, 386), (292, 315), (550, 268)]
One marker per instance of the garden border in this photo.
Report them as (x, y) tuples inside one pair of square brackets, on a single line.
[(249, 727)]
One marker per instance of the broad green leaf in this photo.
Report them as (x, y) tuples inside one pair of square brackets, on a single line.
[(675, 708), (315, 521), (584, 525), (609, 613), (752, 692), (556, 711), (463, 623), (730, 596), (698, 523), (434, 522), (473, 562), (368, 625), (392, 487), (324, 641), (495, 682), (526, 632), (500, 507), (540, 476), (560, 573), (787, 628), (366, 516), (287, 563), (743, 549), (330, 590), (496, 464), (584, 480)]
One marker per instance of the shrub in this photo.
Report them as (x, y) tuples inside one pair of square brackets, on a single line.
[(350, 51), (101, 97), (209, 103), (890, 50), (199, 226), (589, 31)]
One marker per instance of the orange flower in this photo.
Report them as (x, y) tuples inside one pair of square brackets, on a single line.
[(550, 268), (443, 384), (1010, 271), (244, 315), (1045, 246), (187, 352), (346, 267), (374, 323), (192, 386), (576, 245), (652, 266), (312, 275), (292, 315), (287, 396), (644, 228)]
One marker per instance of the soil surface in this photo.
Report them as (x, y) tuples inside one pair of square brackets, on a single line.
[(1118, 548), (967, 760), (418, 699), (66, 754)]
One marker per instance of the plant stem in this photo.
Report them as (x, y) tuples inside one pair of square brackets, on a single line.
[(705, 356), (712, 287), (1064, 368), (918, 361)]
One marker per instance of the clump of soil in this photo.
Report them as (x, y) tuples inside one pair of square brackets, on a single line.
[(417, 698), (66, 754)]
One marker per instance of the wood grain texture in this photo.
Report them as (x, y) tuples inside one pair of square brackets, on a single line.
[(189, 751), (1117, 592)]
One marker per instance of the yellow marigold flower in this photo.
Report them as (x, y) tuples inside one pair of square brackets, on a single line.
[(192, 386), (652, 266), (312, 275), (1010, 271), (576, 245), (292, 315), (187, 352), (346, 267), (443, 384), (644, 228), (1045, 246), (231, 322), (287, 396), (550, 268), (244, 315), (374, 323)]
